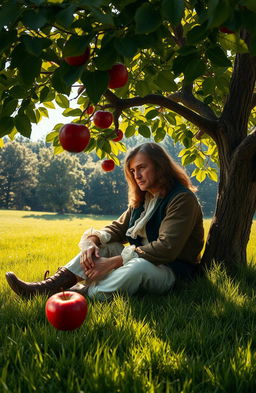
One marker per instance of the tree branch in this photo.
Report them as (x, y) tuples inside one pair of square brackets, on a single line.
[(205, 125), (186, 97)]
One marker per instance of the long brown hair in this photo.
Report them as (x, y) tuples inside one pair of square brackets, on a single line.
[(168, 171)]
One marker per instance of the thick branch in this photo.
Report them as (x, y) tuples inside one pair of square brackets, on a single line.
[(186, 97), (247, 148), (204, 124)]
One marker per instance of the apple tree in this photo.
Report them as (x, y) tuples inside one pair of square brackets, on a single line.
[(191, 77)]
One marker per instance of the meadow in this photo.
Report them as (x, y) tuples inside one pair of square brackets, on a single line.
[(200, 338)]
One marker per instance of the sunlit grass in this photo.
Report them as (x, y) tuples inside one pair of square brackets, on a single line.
[(200, 338)]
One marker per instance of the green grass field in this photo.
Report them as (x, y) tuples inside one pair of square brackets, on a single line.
[(201, 338)]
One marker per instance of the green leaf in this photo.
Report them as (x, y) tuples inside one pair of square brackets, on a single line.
[(44, 93), (58, 150), (196, 34), (22, 123), (18, 92), (9, 13), (9, 106), (130, 131), (51, 136), (218, 57), (43, 111), (72, 112), (49, 104), (106, 58), (147, 19), (35, 45), (250, 4), (165, 81), (65, 17), (195, 68), (34, 19), (95, 83), (144, 130), (126, 46), (233, 43), (6, 39), (201, 176), (173, 10), (62, 101), (159, 135), (218, 12), (1, 143), (212, 174), (6, 125), (58, 82), (28, 65), (152, 114), (76, 45)]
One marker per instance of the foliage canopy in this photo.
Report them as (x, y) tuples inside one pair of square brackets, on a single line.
[(175, 52)]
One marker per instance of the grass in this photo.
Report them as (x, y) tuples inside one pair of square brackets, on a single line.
[(200, 338)]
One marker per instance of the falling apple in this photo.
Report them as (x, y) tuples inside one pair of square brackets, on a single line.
[(119, 136), (78, 60), (108, 165), (103, 119), (118, 76), (74, 137)]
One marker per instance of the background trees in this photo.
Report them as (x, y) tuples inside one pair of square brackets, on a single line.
[(18, 175), (192, 71), (73, 183)]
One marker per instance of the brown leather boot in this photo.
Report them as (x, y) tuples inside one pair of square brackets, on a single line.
[(61, 280)]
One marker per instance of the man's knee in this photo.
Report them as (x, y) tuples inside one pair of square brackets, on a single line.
[(139, 266)]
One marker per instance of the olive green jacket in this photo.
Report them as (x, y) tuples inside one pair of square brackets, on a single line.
[(181, 233)]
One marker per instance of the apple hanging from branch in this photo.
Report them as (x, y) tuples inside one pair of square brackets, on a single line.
[(103, 119), (119, 136), (74, 137), (78, 60), (118, 76)]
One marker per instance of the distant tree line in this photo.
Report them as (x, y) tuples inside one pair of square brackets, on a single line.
[(33, 178)]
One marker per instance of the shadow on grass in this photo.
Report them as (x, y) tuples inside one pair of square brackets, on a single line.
[(69, 217)]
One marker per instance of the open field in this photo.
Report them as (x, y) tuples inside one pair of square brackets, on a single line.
[(201, 338)]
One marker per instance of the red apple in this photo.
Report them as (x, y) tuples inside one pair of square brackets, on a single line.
[(118, 76), (78, 60), (90, 109), (108, 165), (119, 136), (74, 137), (66, 310), (103, 119), (225, 30)]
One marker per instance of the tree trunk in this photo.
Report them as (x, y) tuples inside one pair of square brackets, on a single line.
[(236, 205)]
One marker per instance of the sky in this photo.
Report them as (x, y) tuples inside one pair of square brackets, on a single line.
[(45, 126)]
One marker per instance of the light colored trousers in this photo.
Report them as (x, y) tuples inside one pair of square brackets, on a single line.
[(136, 275)]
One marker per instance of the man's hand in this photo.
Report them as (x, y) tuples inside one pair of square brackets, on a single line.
[(103, 266), (86, 258)]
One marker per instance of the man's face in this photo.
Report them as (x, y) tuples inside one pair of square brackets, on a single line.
[(144, 173)]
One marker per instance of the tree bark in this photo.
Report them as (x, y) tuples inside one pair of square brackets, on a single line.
[(236, 205)]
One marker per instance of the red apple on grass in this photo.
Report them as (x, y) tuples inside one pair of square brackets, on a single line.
[(118, 76), (74, 137), (66, 310), (78, 60), (108, 165), (103, 119), (119, 136)]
